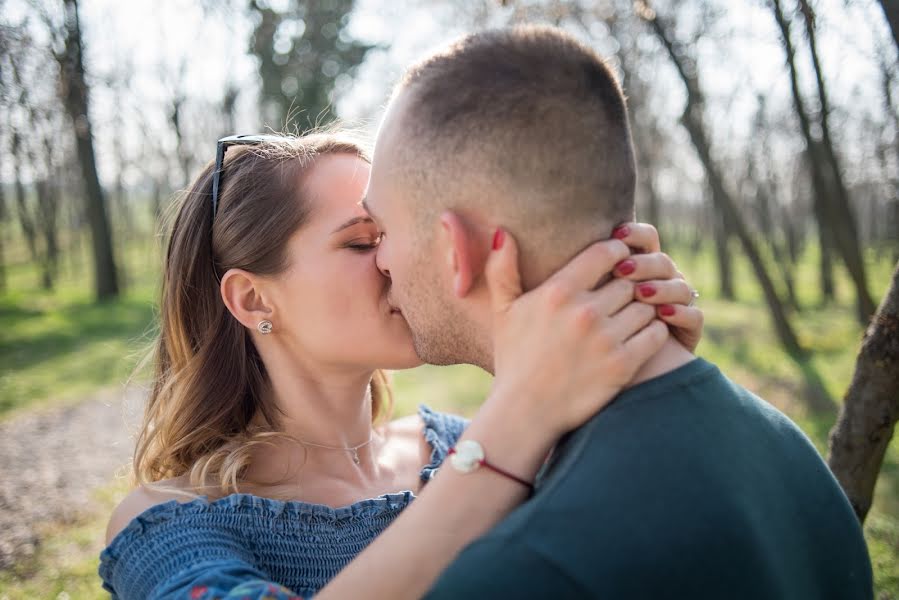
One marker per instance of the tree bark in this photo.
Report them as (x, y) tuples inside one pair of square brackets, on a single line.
[(825, 263), (870, 410), (764, 201), (4, 217), (46, 211), (827, 180), (692, 121), (723, 256), (891, 12), (74, 92), (846, 230), (25, 222)]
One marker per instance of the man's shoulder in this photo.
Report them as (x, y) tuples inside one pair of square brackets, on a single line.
[(690, 436), (689, 476)]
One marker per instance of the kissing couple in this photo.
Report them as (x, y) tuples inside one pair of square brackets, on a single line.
[(492, 225)]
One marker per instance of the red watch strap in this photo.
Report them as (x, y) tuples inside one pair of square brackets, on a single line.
[(483, 462)]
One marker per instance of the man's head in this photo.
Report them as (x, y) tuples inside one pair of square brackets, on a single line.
[(523, 128)]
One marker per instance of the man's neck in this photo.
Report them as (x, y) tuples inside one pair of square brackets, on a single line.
[(672, 356)]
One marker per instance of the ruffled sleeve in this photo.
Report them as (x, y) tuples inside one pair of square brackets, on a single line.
[(441, 431), (179, 550)]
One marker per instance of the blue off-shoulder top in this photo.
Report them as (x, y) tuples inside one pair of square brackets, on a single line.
[(246, 546)]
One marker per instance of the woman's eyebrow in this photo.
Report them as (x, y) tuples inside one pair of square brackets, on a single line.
[(354, 221)]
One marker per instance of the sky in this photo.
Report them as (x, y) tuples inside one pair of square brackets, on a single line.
[(169, 45)]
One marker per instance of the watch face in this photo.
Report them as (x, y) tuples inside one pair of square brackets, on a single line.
[(468, 456)]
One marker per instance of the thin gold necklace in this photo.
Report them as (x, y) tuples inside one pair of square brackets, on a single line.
[(354, 449)]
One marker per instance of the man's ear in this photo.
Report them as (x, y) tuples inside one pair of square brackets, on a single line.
[(243, 295), (462, 251)]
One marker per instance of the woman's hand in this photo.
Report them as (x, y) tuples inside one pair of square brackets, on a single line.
[(563, 350), (659, 282)]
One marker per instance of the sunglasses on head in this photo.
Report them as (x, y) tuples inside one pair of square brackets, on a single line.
[(223, 145)]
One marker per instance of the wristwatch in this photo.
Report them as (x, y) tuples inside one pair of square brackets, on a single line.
[(468, 456)]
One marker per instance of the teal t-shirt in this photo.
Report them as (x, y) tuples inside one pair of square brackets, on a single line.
[(686, 486)]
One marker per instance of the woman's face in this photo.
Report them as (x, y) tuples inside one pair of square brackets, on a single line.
[(331, 302)]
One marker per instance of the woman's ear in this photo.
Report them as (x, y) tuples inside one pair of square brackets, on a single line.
[(461, 251), (243, 295)]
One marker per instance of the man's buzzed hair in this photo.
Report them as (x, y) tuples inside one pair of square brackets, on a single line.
[(528, 119)]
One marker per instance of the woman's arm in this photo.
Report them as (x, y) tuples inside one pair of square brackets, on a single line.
[(562, 352), (523, 417)]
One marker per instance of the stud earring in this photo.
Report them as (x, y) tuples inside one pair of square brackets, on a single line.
[(264, 327)]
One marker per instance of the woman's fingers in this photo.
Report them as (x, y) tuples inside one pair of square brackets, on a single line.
[(629, 320), (612, 297), (643, 267), (666, 291), (590, 267), (642, 237), (685, 321), (646, 342)]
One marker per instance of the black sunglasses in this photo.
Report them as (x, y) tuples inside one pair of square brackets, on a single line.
[(223, 145)]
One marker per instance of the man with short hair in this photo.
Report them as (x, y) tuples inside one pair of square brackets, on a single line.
[(686, 485)]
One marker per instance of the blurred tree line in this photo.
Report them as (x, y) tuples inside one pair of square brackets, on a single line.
[(757, 174), (48, 138)]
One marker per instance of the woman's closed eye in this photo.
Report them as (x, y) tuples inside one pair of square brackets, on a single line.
[(364, 244)]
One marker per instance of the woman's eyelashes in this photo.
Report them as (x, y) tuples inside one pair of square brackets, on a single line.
[(364, 245)]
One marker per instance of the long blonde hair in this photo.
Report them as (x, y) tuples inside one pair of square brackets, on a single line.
[(207, 397)]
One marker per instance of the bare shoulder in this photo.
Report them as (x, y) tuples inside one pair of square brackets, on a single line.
[(406, 427), (142, 498), (405, 437)]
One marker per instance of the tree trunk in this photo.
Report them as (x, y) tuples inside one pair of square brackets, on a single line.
[(22, 212), (723, 256), (766, 222), (175, 118), (891, 12), (847, 233), (74, 93), (825, 241), (47, 220), (692, 121), (870, 410), (827, 179), (4, 216)]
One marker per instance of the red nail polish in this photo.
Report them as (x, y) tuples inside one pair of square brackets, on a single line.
[(626, 267), (621, 232), (666, 310), (646, 290), (498, 238)]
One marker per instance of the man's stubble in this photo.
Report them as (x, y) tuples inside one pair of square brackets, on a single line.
[(442, 333)]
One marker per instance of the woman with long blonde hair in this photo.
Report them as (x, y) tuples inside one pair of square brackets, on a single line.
[(267, 457)]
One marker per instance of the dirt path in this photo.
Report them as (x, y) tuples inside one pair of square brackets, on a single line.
[(51, 460)]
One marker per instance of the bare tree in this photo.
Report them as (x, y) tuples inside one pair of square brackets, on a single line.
[(302, 50), (692, 120), (177, 103), (74, 91), (5, 103), (870, 409), (836, 220), (763, 190), (891, 12)]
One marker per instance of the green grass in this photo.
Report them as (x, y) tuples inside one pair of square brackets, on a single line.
[(59, 347), (65, 564)]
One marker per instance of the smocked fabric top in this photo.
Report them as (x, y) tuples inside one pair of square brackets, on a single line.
[(180, 550)]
